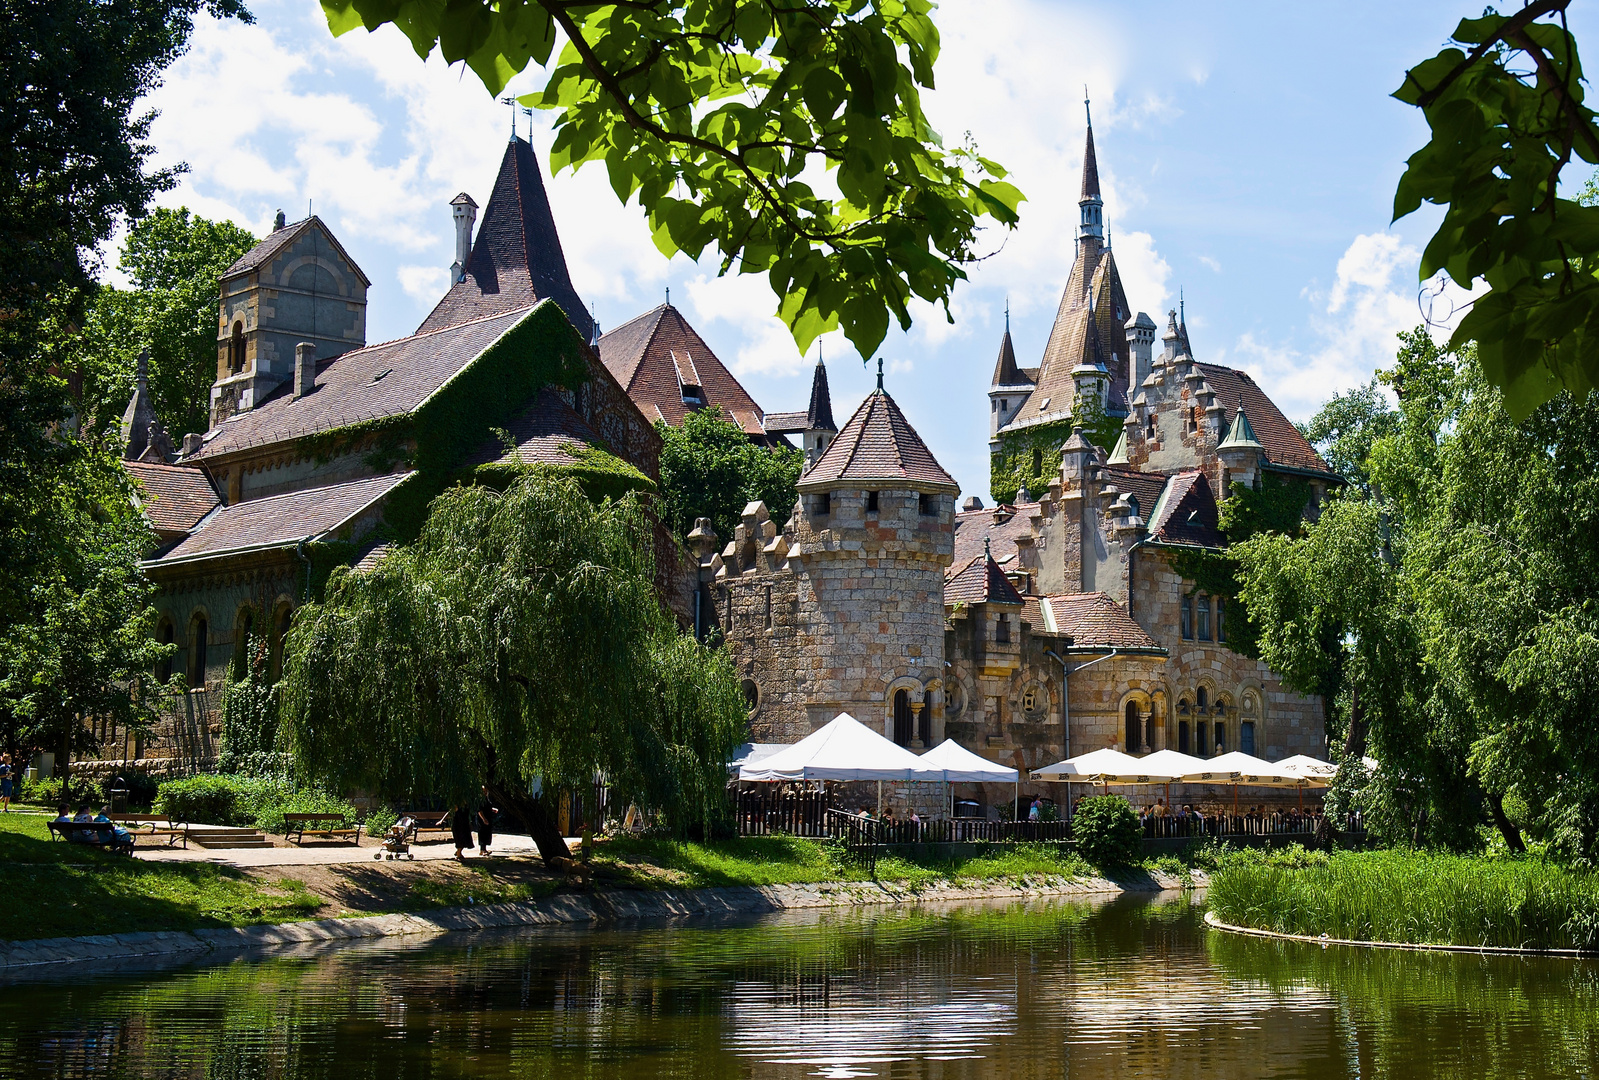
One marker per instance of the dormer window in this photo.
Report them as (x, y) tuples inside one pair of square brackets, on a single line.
[(693, 395)]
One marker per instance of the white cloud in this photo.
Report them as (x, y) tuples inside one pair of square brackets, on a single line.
[(1212, 264), (1369, 264), (745, 302), (1144, 273), (425, 283)]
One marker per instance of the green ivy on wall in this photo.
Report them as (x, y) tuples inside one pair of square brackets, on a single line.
[(1032, 454)]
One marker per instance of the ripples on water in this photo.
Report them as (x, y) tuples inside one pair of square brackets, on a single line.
[(1131, 988)]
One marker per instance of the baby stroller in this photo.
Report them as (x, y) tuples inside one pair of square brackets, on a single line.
[(398, 840)]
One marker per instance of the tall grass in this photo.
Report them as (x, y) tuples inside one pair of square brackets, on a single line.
[(1414, 898)]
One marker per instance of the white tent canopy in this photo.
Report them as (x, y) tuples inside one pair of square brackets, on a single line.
[(845, 749), (1172, 762), (1105, 766), (953, 763), (1239, 768), (1311, 772)]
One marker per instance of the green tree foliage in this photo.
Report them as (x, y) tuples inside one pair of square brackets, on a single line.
[(520, 639), (174, 260), (1107, 831), (1462, 587), (80, 642), (1347, 425), (710, 468), (789, 138), (1505, 102)]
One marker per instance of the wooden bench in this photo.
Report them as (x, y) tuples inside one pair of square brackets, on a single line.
[(431, 825), (154, 825), (319, 826), (101, 834)]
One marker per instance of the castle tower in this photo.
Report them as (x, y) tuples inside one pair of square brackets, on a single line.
[(1090, 206), (297, 285), (820, 427), (1010, 385), (844, 610)]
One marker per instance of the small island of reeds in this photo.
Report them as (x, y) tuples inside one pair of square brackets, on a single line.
[(1412, 897)]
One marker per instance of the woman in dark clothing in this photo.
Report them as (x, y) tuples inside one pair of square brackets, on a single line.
[(485, 825), (461, 828)]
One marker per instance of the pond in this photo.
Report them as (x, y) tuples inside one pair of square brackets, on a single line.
[(1133, 987)]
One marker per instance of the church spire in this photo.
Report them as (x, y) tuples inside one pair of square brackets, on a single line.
[(1091, 207)]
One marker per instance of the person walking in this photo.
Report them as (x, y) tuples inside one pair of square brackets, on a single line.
[(461, 831), (485, 825), (7, 782)]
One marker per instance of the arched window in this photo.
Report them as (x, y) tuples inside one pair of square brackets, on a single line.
[(1187, 620), (1135, 730), (1203, 698), (1221, 737), (199, 642), (1182, 736), (164, 634), (904, 726), (280, 636), (243, 627), (1149, 730), (236, 349)]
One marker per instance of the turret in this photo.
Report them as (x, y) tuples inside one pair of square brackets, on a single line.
[(463, 211), (1009, 388), (1090, 206), (1240, 454), (1140, 345)]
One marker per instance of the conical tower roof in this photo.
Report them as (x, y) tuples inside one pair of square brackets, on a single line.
[(140, 411), (819, 417), (1242, 434), (1006, 373), (516, 258), (878, 445), (1090, 167), (1118, 454)]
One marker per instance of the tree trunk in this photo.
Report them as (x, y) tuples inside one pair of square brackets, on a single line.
[(1502, 822), (536, 816), (1355, 738), (64, 766)]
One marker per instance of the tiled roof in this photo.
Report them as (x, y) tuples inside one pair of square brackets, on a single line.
[(379, 380), (1284, 444), (1186, 512), (174, 496), (1000, 526), (819, 414), (786, 423), (1070, 342), (263, 252), (1092, 621), (980, 581), (542, 432), (1006, 373), (373, 556), (1143, 486), (656, 354), (878, 443), (516, 258), (283, 520)]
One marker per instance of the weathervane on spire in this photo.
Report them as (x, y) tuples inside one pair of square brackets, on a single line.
[(1007, 314), (511, 101)]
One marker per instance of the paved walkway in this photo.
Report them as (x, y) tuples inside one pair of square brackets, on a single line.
[(318, 852)]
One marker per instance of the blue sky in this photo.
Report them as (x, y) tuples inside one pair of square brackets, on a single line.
[(1248, 154)]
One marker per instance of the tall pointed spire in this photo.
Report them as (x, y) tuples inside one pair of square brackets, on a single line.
[(1006, 373), (1090, 162), (819, 417), (1091, 222)]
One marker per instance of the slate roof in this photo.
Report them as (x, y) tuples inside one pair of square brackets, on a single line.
[(1006, 373), (1186, 512), (282, 520), (541, 432), (174, 496), (1143, 486), (380, 380), (878, 444), (786, 423), (1092, 620), (516, 257), (1000, 526), (980, 581), (263, 252), (1090, 167), (817, 417), (655, 355), (1284, 444)]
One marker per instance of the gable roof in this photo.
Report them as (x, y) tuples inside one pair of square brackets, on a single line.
[(364, 384), (999, 525), (980, 581), (542, 432), (817, 417), (1093, 621), (516, 258), (279, 521), (1146, 487), (1284, 444), (1186, 512), (655, 355), (174, 497), (878, 444), (263, 252)]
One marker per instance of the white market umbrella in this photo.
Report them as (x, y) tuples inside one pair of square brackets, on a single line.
[(1311, 772), (1173, 761), (1105, 766), (844, 749), (1239, 769), (950, 762)]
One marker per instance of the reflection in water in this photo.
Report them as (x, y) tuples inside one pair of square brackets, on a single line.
[(1131, 988)]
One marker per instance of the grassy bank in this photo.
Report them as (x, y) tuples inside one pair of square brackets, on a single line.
[(1413, 898), (68, 890)]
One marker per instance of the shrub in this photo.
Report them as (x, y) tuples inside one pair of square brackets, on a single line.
[(44, 791), (379, 820), (1107, 831), (249, 726), (244, 801)]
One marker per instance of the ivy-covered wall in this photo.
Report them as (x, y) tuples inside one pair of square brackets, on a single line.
[(1033, 454)]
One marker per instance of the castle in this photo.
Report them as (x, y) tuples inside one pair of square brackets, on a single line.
[(1054, 623), (1051, 624)]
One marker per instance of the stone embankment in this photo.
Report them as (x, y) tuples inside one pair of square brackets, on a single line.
[(605, 906)]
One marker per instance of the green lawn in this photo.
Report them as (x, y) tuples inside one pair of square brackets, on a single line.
[(1412, 897), (57, 889)]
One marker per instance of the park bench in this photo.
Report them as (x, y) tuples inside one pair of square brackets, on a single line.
[(319, 826), (431, 825), (154, 825), (94, 833)]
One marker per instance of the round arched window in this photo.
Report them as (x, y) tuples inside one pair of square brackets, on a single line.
[(752, 694)]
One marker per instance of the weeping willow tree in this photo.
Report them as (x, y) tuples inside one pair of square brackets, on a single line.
[(518, 645)]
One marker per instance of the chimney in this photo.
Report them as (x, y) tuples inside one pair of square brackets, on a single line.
[(304, 369), (464, 211), (192, 442), (1140, 345)]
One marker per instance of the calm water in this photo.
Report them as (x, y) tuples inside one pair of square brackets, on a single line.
[(1115, 990)]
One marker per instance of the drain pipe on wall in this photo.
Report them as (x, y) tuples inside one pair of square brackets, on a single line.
[(1066, 706)]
